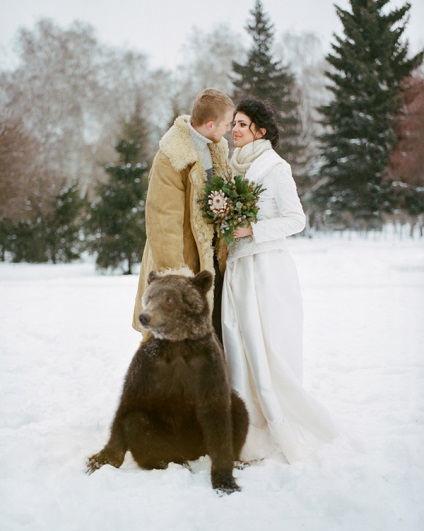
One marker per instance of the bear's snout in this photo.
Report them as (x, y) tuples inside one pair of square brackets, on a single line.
[(145, 318)]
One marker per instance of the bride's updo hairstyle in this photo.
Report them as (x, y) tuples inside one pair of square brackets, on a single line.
[(262, 116)]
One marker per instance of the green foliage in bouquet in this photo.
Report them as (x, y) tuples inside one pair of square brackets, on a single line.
[(230, 203)]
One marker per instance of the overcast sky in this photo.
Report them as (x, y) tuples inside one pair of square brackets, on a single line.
[(160, 27)]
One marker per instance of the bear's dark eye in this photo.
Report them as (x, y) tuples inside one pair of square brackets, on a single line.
[(169, 300)]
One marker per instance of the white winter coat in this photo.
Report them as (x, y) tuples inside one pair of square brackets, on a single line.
[(280, 211)]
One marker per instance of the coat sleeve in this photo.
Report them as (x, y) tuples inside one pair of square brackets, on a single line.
[(283, 204), (165, 204)]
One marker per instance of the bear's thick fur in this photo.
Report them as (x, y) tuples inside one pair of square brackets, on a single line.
[(176, 403)]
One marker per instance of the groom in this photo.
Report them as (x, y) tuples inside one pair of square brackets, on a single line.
[(179, 240)]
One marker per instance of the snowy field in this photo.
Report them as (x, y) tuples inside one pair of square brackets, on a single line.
[(66, 343)]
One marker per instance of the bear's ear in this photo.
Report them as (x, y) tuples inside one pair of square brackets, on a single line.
[(152, 276), (203, 280)]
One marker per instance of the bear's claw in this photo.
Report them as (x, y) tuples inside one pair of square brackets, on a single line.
[(93, 464), (104, 457), (227, 489), (225, 485)]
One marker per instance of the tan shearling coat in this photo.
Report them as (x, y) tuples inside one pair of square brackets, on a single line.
[(179, 240)]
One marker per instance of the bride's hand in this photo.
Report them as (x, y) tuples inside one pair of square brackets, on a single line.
[(241, 232)]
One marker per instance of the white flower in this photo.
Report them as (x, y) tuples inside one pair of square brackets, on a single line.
[(218, 203)]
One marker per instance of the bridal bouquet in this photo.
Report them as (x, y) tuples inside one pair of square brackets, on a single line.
[(229, 204)]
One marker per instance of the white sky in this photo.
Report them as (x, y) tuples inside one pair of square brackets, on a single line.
[(160, 27)]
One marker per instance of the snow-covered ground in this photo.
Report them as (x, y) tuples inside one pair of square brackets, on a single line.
[(66, 342)]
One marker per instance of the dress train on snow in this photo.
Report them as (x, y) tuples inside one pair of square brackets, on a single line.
[(262, 335)]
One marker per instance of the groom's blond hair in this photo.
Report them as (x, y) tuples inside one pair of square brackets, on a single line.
[(210, 104)]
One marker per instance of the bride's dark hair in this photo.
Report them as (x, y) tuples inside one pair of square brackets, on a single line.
[(262, 115)]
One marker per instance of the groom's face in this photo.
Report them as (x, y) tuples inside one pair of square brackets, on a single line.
[(219, 129)]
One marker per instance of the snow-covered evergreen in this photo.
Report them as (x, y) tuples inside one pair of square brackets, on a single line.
[(367, 65)]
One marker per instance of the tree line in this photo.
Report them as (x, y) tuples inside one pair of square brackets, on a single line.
[(81, 121)]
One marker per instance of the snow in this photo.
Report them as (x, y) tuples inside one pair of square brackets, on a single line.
[(66, 343)]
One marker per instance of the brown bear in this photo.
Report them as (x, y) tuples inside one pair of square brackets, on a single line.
[(176, 403)]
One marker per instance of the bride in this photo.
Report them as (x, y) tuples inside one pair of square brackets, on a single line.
[(261, 302)]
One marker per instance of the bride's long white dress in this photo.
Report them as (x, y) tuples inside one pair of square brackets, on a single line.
[(262, 322)]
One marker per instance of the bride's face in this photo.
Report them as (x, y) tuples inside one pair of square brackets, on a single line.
[(244, 131)]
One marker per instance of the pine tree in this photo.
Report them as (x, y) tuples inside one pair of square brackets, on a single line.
[(62, 227), (116, 223), (270, 80), (51, 232), (368, 65)]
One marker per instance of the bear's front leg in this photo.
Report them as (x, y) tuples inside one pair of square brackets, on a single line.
[(215, 422), (114, 451)]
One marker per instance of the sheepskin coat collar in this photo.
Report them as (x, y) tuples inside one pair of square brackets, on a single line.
[(178, 147)]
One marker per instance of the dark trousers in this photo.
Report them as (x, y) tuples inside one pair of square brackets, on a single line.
[(217, 297)]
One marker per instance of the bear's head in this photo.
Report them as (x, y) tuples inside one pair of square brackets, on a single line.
[(175, 307)]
